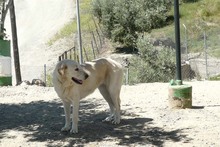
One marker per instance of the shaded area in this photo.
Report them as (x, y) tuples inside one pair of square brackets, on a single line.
[(198, 107), (45, 119), (126, 50)]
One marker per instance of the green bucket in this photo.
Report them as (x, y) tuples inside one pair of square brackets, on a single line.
[(180, 96), (5, 63)]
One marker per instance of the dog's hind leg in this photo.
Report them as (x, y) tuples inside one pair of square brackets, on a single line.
[(116, 102), (103, 90), (114, 89), (67, 116)]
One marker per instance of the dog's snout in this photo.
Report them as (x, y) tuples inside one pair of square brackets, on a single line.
[(86, 75)]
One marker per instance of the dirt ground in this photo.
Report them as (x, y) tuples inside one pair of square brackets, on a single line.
[(33, 116)]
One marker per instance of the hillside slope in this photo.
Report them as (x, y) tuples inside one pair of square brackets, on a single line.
[(37, 21)]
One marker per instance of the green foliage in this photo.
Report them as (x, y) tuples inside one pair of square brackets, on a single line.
[(123, 20), (208, 8), (49, 80), (197, 17), (3, 11), (215, 78), (86, 20), (189, 1), (152, 64), (67, 30)]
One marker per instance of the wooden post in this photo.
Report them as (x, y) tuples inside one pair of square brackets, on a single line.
[(15, 43), (70, 53), (94, 39), (87, 59), (65, 55), (45, 74), (93, 50), (74, 53)]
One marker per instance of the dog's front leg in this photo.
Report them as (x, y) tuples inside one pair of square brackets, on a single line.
[(75, 116), (67, 116)]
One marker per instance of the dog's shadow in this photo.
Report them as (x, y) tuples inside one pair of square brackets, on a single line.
[(44, 120)]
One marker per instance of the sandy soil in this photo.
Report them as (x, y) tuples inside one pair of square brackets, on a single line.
[(33, 116)]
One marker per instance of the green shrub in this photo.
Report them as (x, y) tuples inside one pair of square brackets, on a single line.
[(49, 80), (189, 1), (123, 20), (152, 64), (215, 78), (209, 8)]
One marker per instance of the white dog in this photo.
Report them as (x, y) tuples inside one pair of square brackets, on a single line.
[(73, 82)]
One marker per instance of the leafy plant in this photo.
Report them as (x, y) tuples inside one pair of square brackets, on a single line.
[(49, 80), (215, 78), (152, 64), (4, 6), (123, 20), (189, 1)]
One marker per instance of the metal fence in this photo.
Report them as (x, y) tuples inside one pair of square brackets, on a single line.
[(31, 72), (204, 63), (93, 45), (200, 56), (69, 54)]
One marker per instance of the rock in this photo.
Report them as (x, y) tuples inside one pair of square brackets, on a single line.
[(167, 42), (187, 72), (25, 82), (38, 82)]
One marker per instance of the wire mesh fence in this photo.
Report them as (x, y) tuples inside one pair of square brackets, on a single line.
[(93, 45), (30, 73), (200, 58), (204, 62)]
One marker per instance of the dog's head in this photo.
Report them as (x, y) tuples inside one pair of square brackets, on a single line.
[(71, 70)]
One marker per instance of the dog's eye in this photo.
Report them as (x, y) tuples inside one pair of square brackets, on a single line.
[(77, 69)]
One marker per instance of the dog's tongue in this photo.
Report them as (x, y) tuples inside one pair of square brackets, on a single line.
[(77, 80)]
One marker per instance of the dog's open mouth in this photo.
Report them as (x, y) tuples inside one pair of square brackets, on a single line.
[(77, 80)]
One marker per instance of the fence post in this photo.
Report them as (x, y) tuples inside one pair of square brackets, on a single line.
[(70, 53), (74, 49), (100, 39), (94, 39), (45, 74), (127, 76), (186, 42), (87, 59), (102, 36), (205, 50), (62, 56), (93, 50), (65, 55), (77, 58)]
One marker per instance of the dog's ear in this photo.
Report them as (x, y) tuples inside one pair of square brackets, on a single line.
[(62, 69)]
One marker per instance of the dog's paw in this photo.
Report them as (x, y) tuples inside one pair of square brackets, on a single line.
[(74, 131), (108, 119), (65, 129), (116, 120)]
